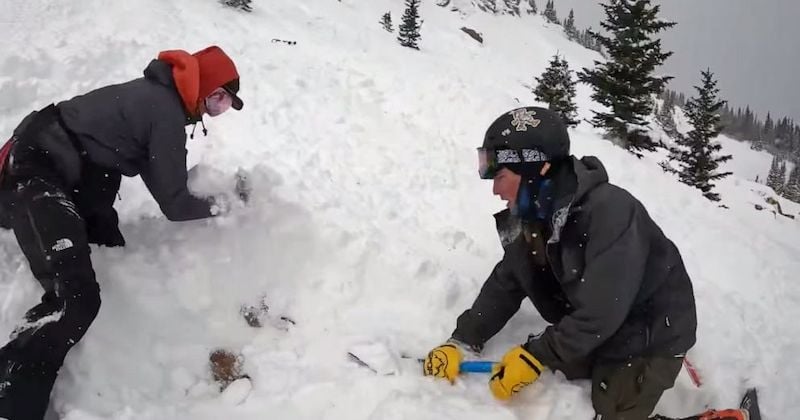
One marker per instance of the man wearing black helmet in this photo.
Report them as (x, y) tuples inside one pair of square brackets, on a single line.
[(595, 266)]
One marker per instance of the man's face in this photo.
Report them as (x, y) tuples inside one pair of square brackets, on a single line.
[(216, 103), (506, 185)]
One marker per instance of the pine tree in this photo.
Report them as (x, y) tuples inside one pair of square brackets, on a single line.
[(792, 189), (557, 88), (488, 5), (386, 21), (673, 97), (512, 7), (626, 83), (532, 10), (586, 38), (550, 12), (796, 144), (781, 177), (569, 26), (780, 129), (681, 100), (666, 117), (768, 132), (796, 152), (596, 44), (409, 29), (728, 118), (697, 158), (749, 123), (774, 180), (239, 4)]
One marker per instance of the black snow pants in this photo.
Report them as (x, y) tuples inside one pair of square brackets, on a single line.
[(51, 230), (627, 390)]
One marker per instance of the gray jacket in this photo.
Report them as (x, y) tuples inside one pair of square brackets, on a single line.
[(138, 128), (613, 286)]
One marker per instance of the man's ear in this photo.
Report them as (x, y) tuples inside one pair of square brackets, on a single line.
[(545, 168)]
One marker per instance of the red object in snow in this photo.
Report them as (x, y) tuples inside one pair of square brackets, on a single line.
[(693, 373)]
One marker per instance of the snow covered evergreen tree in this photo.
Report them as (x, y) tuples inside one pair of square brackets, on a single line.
[(569, 26), (557, 88), (666, 117), (792, 189), (409, 29), (386, 21), (487, 5), (774, 179), (698, 157), (550, 12), (512, 7), (626, 82), (239, 4), (768, 131), (532, 10)]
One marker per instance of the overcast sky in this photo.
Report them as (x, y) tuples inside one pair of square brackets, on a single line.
[(750, 45)]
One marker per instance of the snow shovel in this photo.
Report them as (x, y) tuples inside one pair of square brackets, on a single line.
[(378, 358), (470, 366), (477, 366)]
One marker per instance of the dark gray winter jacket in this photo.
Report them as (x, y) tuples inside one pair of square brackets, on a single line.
[(138, 128), (613, 286)]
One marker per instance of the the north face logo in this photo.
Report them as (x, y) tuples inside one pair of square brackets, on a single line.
[(62, 244)]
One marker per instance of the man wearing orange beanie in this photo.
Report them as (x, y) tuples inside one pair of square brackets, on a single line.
[(59, 176)]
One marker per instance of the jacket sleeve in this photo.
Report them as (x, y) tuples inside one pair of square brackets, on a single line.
[(615, 259), (498, 301), (165, 174)]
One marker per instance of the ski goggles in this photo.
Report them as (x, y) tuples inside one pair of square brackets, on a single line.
[(218, 102), (490, 161)]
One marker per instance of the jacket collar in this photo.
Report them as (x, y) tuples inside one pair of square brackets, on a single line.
[(574, 180)]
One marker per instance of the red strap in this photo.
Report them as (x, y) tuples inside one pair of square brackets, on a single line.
[(729, 414), (4, 152), (693, 373)]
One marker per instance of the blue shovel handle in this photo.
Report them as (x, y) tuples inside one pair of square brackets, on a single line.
[(478, 366)]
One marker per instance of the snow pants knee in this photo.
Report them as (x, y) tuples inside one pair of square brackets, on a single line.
[(53, 237), (631, 390)]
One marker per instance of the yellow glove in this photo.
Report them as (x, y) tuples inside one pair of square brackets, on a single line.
[(517, 370), (443, 362)]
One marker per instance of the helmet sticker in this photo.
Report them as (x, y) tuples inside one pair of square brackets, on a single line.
[(523, 118)]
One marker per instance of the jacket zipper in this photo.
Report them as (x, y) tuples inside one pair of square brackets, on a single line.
[(36, 233)]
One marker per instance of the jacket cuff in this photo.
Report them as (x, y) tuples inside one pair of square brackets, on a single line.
[(538, 347), (472, 349)]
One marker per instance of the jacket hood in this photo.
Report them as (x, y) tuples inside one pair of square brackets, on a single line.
[(196, 75), (590, 173), (186, 76), (159, 72)]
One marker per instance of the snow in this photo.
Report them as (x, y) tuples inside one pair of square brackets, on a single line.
[(368, 222)]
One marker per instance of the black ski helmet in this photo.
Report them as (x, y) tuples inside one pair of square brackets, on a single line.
[(536, 134)]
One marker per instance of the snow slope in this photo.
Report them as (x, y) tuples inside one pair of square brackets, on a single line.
[(368, 221)]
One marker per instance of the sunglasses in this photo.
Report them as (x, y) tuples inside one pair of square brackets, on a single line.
[(218, 102)]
